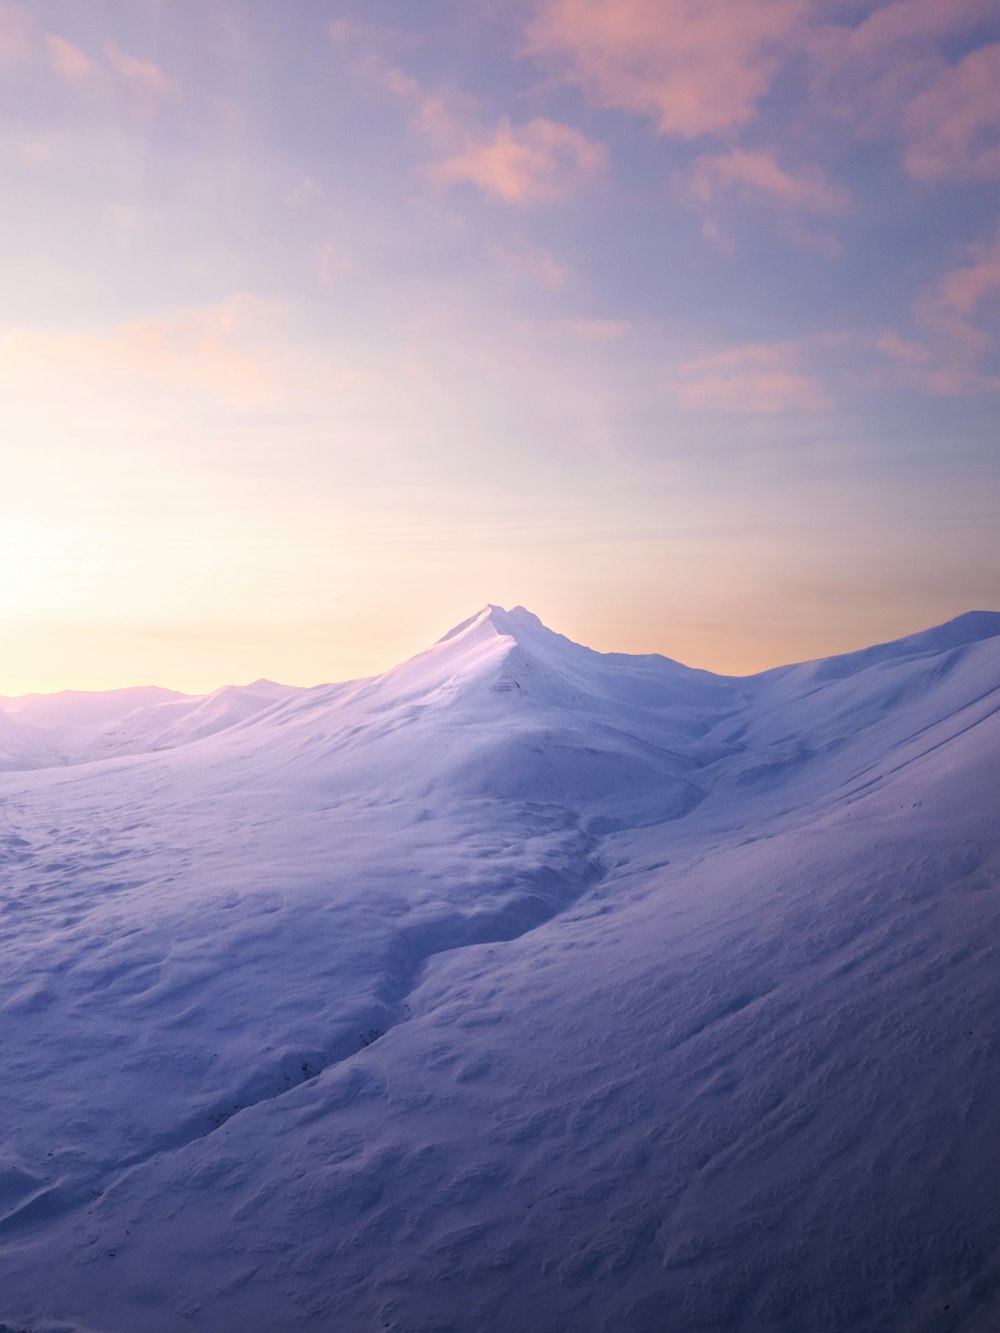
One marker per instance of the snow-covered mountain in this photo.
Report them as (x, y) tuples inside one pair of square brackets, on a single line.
[(47, 730), (522, 987)]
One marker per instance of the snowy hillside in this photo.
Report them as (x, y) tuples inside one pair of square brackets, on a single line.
[(522, 987)]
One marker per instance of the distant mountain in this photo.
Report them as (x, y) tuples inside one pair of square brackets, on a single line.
[(75, 727), (522, 987)]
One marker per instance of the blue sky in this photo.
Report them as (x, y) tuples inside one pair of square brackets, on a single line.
[(325, 324)]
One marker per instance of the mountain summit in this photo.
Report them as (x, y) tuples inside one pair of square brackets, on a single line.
[(516, 621)]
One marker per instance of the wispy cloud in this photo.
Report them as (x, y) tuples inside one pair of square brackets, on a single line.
[(215, 349), (895, 76), (965, 288), (949, 353), (541, 162), (951, 130), (68, 61), (232, 351), (13, 34), (759, 175), (114, 73), (693, 69), (143, 76), (597, 330), (760, 379), (901, 349), (718, 182)]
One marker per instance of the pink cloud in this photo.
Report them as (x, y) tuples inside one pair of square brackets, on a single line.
[(945, 309), (952, 129), (759, 175), (767, 393), (950, 357), (963, 289), (956, 378), (142, 76), (694, 68), (757, 355), (892, 76), (440, 114), (232, 351), (67, 60), (903, 349), (762, 379), (13, 34), (933, 314), (139, 83), (216, 349), (441, 117), (127, 88), (397, 82), (540, 162)]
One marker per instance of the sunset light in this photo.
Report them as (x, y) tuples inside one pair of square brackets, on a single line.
[(324, 323)]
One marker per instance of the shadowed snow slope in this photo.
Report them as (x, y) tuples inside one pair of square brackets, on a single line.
[(522, 987)]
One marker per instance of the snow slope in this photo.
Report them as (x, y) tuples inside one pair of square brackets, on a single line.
[(520, 988)]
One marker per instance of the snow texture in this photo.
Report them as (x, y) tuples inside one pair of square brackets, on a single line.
[(522, 988)]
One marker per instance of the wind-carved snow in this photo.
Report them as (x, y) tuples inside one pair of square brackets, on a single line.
[(521, 987)]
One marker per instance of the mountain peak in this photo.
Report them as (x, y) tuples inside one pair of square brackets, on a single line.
[(512, 623)]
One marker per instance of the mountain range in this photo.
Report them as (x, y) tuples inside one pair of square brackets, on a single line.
[(522, 987)]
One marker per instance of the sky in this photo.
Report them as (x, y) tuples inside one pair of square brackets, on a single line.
[(324, 324)]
